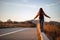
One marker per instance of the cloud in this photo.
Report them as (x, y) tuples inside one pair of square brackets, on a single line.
[(52, 4), (19, 4), (25, 1)]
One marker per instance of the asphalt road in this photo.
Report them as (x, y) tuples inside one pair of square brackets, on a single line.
[(20, 34)]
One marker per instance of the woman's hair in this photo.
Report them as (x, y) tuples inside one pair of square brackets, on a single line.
[(41, 10)]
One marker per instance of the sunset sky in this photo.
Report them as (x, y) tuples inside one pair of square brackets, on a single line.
[(22, 10)]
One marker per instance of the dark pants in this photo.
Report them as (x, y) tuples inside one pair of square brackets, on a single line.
[(41, 24)]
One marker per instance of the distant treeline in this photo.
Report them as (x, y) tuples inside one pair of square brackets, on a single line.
[(10, 24), (29, 23)]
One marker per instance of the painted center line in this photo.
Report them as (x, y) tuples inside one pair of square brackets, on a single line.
[(13, 32)]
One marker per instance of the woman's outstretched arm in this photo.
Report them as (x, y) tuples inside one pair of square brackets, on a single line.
[(47, 15), (36, 15)]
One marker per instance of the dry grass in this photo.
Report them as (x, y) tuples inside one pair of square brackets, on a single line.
[(52, 31)]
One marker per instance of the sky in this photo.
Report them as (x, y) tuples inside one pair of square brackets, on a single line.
[(22, 10)]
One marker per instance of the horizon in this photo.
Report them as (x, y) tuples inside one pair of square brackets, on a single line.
[(23, 10), (26, 20)]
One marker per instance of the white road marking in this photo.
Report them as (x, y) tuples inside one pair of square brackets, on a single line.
[(44, 37), (13, 32)]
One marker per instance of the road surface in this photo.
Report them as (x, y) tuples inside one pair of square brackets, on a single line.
[(20, 34)]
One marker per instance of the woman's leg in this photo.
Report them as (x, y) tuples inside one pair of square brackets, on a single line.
[(41, 25)]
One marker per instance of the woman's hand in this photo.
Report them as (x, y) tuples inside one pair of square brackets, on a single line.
[(49, 17)]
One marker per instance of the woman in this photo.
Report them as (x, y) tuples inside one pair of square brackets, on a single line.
[(41, 15)]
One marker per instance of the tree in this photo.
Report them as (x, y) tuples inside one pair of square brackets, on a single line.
[(1, 21), (9, 21)]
